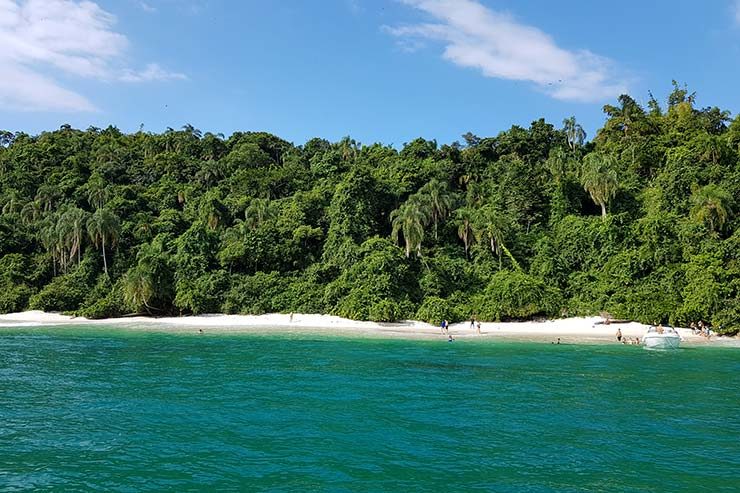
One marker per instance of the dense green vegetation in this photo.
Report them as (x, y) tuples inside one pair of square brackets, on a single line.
[(640, 222)]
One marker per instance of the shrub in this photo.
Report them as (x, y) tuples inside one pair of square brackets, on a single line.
[(255, 295), (384, 311), (14, 298), (66, 292), (516, 295), (433, 310)]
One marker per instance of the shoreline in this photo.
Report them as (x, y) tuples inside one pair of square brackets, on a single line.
[(576, 330)]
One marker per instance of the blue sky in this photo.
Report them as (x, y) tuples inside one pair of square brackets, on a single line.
[(378, 70)]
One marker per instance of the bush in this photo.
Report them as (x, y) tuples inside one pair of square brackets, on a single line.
[(384, 311), (203, 294), (382, 273), (515, 295), (257, 294), (727, 320), (104, 301), (433, 310), (14, 298), (66, 292)]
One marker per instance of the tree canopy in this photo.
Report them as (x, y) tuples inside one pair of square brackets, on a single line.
[(641, 221)]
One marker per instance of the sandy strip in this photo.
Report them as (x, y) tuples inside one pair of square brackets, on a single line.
[(569, 330)]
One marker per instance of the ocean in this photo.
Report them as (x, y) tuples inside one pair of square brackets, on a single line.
[(109, 409)]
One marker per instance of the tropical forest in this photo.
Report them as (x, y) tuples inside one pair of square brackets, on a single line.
[(639, 220)]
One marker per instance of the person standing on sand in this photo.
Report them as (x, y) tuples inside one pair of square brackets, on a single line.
[(477, 327), (447, 327), (472, 323), (290, 320), (442, 326), (619, 335)]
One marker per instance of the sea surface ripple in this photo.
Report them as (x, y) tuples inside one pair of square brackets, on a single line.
[(96, 409)]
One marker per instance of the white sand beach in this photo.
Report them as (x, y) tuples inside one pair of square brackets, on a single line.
[(569, 330)]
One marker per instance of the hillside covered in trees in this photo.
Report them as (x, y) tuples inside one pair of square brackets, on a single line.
[(641, 221)]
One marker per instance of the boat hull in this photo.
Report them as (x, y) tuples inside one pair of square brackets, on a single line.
[(661, 341)]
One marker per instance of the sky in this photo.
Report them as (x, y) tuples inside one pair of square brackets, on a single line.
[(377, 70)]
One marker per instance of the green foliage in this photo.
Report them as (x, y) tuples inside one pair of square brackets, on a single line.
[(106, 223), (515, 295), (434, 310), (382, 273), (256, 294), (66, 292), (15, 298), (104, 301)]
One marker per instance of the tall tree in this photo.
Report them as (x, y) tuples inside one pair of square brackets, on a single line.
[(75, 220), (97, 191), (104, 228), (574, 133), (439, 199), (464, 218), (409, 219), (599, 179), (491, 225)]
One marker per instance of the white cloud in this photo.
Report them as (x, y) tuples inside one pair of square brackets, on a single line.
[(44, 37), (147, 8), (152, 72), (736, 11), (502, 47)]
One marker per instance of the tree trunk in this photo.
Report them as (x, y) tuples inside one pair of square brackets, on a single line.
[(105, 262), (603, 210)]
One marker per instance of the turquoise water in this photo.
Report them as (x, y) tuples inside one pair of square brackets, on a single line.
[(103, 410)]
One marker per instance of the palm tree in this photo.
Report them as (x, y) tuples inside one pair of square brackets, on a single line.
[(259, 211), (440, 200), (599, 179), (491, 225), (137, 289), (75, 220), (409, 219), (31, 212), (97, 191), (464, 220), (574, 133), (103, 227), (212, 210), (712, 206), (12, 202), (47, 237), (46, 195)]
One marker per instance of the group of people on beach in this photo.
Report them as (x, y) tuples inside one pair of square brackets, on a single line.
[(627, 340), (701, 329), (445, 326)]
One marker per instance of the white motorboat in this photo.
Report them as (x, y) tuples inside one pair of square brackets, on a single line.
[(661, 338)]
